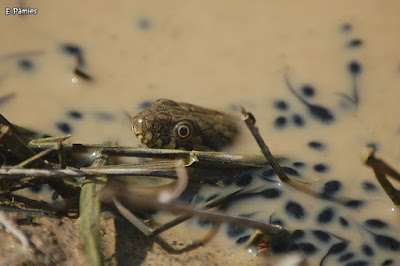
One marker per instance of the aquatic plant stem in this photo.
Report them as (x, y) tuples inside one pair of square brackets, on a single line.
[(89, 213)]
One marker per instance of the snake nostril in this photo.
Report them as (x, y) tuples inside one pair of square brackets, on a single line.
[(137, 125)]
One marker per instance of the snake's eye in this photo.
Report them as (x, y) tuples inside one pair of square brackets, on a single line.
[(183, 130)]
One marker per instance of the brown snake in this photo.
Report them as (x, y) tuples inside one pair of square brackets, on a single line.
[(171, 125)]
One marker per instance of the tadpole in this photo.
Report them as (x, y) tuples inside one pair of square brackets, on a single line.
[(317, 111)]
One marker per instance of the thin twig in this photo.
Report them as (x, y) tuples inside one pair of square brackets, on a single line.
[(149, 232), (67, 173), (132, 218), (382, 166), (5, 221), (61, 154), (35, 157), (200, 158), (14, 141), (180, 186), (218, 217), (48, 140), (381, 169), (10, 227), (195, 174), (250, 121)]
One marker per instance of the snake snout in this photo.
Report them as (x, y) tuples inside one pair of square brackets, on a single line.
[(138, 126), (146, 130)]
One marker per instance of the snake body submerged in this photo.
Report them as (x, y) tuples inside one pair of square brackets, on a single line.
[(170, 125)]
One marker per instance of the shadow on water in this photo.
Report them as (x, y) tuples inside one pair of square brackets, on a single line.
[(131, 245)]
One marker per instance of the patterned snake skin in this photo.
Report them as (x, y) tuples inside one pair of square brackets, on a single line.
[(171, 125)]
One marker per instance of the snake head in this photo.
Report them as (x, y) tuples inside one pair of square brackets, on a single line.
[(170, 125), (150, 126)]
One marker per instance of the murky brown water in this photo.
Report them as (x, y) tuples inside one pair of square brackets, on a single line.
[(221, 55)]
